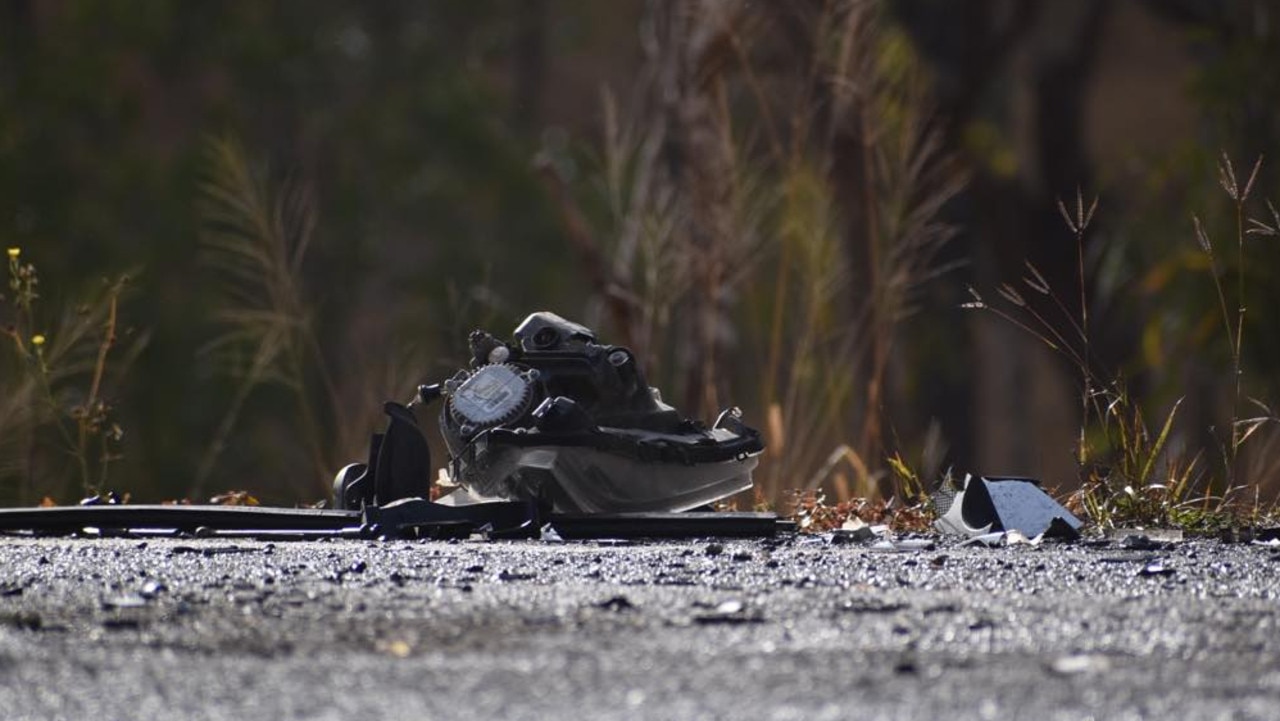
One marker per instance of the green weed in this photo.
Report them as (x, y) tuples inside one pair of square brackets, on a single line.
[(58, 420)]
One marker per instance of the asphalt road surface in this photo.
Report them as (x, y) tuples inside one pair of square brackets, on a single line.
[(105, 629)]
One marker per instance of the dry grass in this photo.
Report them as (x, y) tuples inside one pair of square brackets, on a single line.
[(1130, 475), (747, 250), (813, 514), (257, 244), (257, 238)]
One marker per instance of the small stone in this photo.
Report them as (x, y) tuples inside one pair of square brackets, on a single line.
[(730, 607), (151, 589), (906, 667), (130, 601), (1079, 663), (617, 603)]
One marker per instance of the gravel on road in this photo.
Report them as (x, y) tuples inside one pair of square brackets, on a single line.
[(789, 628)]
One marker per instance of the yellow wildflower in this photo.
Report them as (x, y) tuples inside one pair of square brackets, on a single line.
[(15, 252), (37, 340)]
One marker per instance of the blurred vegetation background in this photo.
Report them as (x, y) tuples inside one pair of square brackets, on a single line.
[(780, 206)]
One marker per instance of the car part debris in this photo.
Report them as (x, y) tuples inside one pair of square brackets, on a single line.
[(398, 467), (1076, 664), (1249, 534), (414, 518), (987, 506), (858, 533), (554, 417), (906, 545), (689, 524), (1137, 537), (1002, 539), (1058, 530), (68, 519), (549, 428), (998, 539), (1156, 567)]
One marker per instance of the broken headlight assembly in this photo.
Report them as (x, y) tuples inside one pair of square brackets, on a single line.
[(552, 416)]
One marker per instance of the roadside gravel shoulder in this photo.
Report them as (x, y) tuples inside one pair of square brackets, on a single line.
[(122, 628)]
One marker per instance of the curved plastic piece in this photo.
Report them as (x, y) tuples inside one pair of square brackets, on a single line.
[(347, 485), (403, 466), (587, 480)]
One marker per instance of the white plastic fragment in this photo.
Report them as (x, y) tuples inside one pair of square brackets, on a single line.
[(987, 505), (1076, 664), (1003, 538)]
